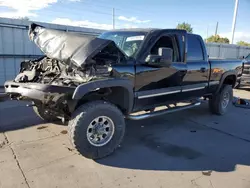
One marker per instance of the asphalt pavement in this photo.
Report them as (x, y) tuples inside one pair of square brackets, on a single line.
[(3, 95)]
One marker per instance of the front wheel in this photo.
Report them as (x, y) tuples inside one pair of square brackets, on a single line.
[(96, 129), (222, 101)]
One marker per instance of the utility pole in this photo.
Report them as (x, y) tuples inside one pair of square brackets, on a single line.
[(207, 32), (216, 29), (113, 17), (234, 19)]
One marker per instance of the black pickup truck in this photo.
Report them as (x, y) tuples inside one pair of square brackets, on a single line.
[(94, 83)]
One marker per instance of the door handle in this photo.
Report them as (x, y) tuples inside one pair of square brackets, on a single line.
[(203, 69)]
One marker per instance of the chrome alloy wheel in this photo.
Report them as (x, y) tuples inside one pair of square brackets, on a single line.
[(225, 100), (100, 131)]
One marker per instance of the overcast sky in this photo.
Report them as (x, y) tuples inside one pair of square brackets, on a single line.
[(201, 14)]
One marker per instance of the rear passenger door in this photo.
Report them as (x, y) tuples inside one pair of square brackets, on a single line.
[(196, 79)]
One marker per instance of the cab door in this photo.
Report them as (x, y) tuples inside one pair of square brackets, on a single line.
[(195, 81), (155, 83)]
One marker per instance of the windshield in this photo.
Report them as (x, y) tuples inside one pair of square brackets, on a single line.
[(129, 42)]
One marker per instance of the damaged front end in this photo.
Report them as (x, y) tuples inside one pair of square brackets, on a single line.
[(70, 59)]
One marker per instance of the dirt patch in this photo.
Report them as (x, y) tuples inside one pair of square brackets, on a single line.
[(64, 132), (207, 173), (70, 149), (42, 127), (2, 144)]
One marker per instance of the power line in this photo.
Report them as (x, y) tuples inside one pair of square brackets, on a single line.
[(85, 9), (79, 12), (130, 10), (135, 10), (54, 15)]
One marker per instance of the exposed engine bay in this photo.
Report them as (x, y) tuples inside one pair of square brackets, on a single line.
[(51, 71), (70, 58)]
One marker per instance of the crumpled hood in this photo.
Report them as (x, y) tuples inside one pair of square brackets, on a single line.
[(65, 46)]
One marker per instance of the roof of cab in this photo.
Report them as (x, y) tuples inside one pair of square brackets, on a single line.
[(147, 30), (134, 29)]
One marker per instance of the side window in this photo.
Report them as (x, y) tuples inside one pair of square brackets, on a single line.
[(163, 42), (195, 52)]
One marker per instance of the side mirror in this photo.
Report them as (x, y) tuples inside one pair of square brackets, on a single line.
[(164, 57), (153, 59), (242, 57)]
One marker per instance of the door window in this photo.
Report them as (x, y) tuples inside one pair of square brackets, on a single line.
[(195, 52), (164, 42)]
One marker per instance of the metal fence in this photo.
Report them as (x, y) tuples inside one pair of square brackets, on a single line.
[(226, 51), (15, 45)]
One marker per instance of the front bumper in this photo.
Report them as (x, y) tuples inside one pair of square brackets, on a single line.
[(34, 91)]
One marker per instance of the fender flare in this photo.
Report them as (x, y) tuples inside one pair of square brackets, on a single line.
[(85, 88), (223, 77)]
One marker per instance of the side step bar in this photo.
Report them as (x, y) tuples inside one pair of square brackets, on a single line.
[(161, 112)]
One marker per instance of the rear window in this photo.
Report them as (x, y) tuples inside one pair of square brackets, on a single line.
[(195, 52)]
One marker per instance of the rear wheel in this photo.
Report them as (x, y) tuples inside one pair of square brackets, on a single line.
[(222, 101), (96, 129)]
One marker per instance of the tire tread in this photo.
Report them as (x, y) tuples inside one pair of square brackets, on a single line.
[(214, 102), (76, 121)]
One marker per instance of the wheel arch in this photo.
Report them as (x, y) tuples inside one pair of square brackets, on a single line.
[(228, 78), (120, 92)]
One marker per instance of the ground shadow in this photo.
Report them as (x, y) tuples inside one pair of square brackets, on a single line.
[(175, 144), (3, 97), (16, 115)]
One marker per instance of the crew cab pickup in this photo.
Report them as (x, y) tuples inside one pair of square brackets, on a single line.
[(94, 83)]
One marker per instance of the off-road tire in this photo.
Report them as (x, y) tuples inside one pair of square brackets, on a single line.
[(40, 112), (215, 103), (80, 121)]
